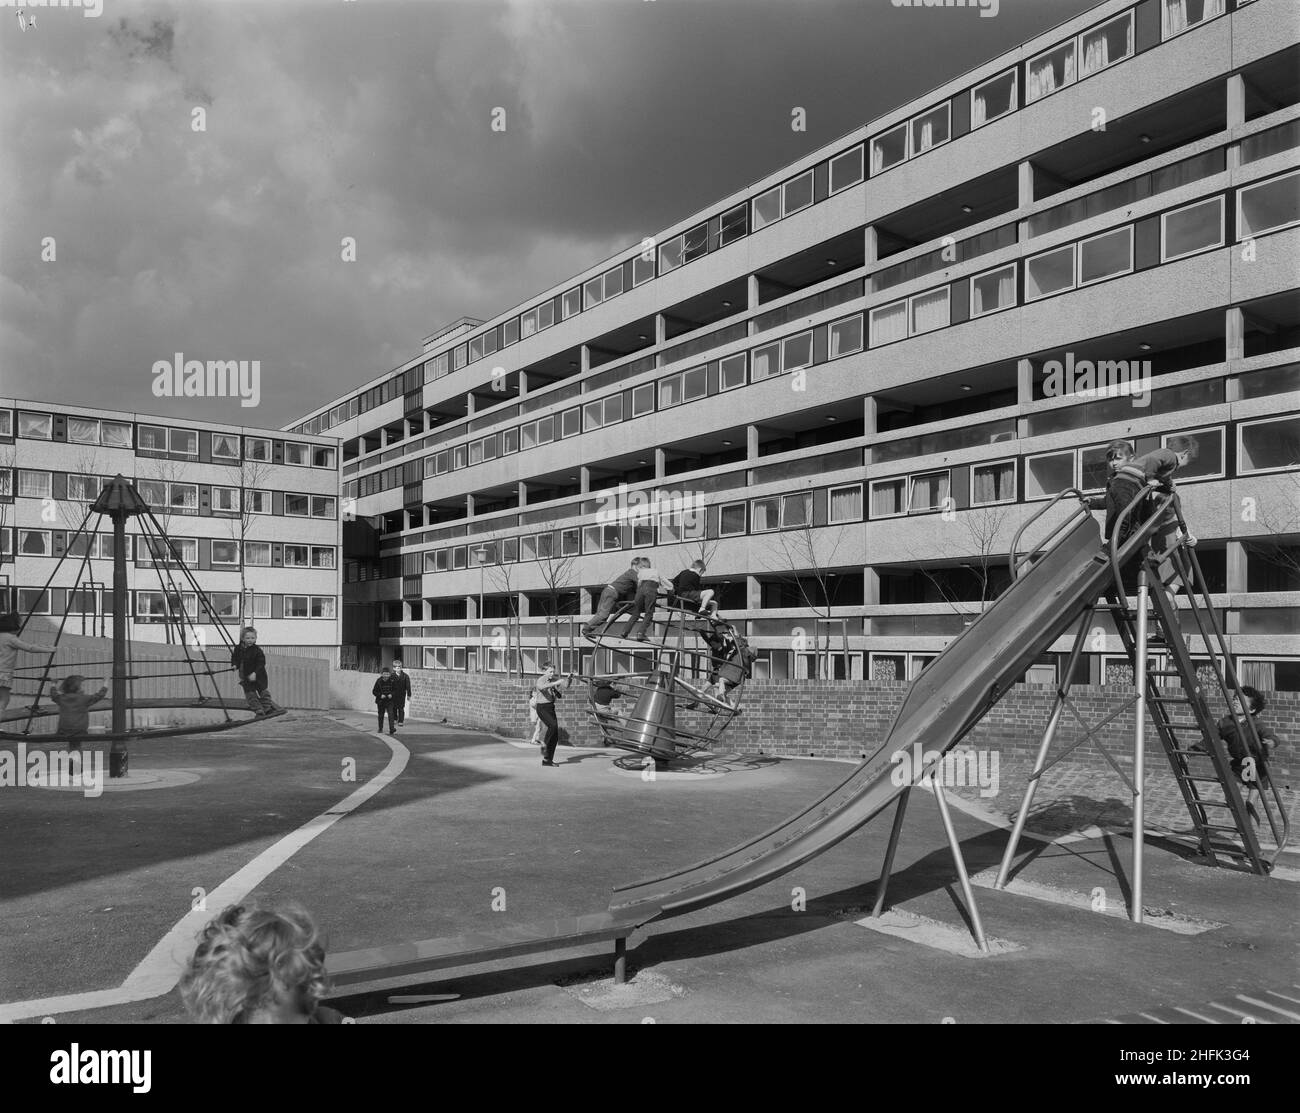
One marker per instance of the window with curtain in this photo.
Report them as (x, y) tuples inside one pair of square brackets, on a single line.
[(887, 498), (33, 484), (994, 98), (1178, 15), (889, 323), (991, 483), (846, 504), (1258, 674), (930, 311), (993, 290), (83, 430), (1107, 44), (928, 491), (765, 515), (846, 336), (731, 519), (889, 149), (767, 362), (34, 542), (930, 129), (1051, 71)]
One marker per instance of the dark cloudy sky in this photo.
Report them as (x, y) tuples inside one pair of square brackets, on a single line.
[(372, 119)]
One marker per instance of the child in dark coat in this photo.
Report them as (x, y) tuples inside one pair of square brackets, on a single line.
[(386, 693), (250, 666), (74, 707)]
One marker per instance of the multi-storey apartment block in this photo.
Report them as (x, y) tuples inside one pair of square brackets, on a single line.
[(849, 383), (254, 515)]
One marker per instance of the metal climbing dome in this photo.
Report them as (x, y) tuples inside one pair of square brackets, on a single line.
[(678, 690), (118, 501)]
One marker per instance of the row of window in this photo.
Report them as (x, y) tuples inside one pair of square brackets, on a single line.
[(1060, 66), (1264, 446), (224, 552), (156, 606), (35, 425), (160, 494), (1264, 207)]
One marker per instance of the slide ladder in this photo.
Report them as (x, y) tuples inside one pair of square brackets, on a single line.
[(1179, 709)]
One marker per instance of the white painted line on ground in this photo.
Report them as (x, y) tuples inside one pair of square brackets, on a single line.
[(1266, 1005), (161, 968), (1082, 902), (934, 934)]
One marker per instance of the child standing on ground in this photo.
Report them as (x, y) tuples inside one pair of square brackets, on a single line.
[(74, 707), (385, 692), (10, 644), (250, 666)]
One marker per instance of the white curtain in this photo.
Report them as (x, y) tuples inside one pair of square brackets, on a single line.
[(889, 324), (979, 110), (989, 296), (1175, 13), (1259, 674), (886, 499), (1096, 54), (877, 158), (1042, 78), (929, 311), (926, 139)]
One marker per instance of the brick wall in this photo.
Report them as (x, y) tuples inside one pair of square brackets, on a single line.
[(828, 718)]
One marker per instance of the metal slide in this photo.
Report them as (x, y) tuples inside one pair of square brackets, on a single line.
[(1048, 596), (941, 707)]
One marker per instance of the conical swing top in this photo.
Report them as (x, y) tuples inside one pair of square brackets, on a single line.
[(119, 499)]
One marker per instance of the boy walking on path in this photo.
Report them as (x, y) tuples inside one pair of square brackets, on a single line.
[(616, 591), (385, 693), (402, 689), (250, 666)]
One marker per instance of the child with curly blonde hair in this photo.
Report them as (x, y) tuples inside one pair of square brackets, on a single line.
[(258, 966)]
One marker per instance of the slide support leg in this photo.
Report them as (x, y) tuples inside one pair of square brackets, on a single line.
[(1139, 743), (1049, 735), (620, 961), (887, 868), (960, 863)]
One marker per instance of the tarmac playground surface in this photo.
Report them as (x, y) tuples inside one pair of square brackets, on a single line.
[(443, 831)]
